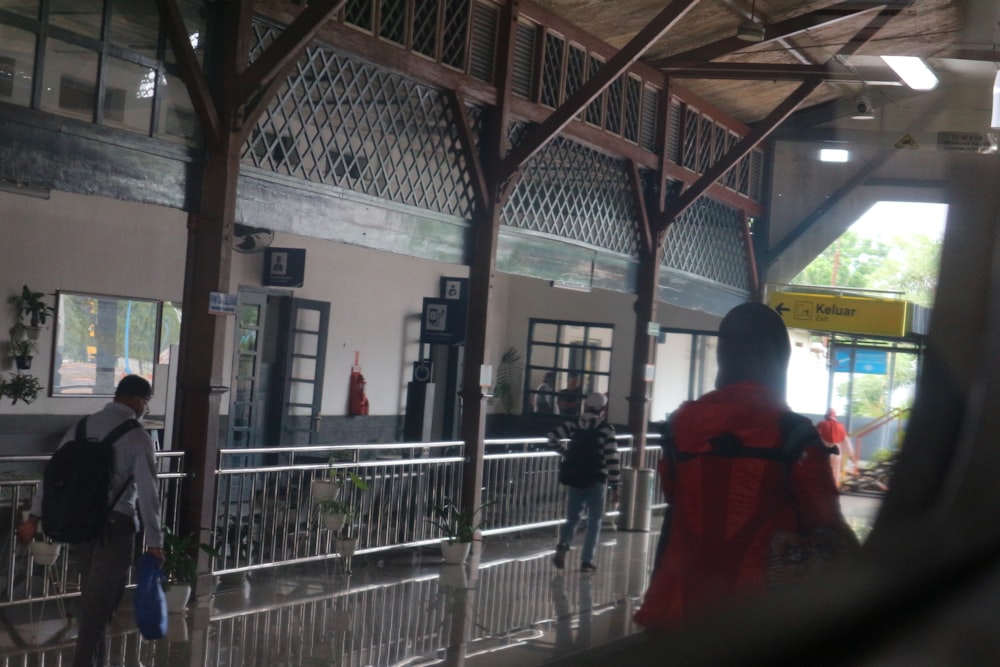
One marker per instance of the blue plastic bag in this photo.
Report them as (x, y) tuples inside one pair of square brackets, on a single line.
[(150, 602)]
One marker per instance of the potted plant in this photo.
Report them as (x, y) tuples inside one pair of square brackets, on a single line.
[(20, 387), (23, 350), (32, 305), (459, 527), (510, 372), (335, 513), (44, 551), (327, 486), (180, 567)]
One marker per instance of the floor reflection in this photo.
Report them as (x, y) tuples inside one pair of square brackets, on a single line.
[(507, 606)]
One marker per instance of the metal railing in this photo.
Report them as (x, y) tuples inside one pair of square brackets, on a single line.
[(265, 516), (21, 579)]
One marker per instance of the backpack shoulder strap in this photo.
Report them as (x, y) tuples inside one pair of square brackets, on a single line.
[(81, 429), (797, 433), (110, 439), (120, 430)]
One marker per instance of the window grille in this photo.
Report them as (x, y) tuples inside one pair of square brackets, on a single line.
[(707, 241), (574, 192)]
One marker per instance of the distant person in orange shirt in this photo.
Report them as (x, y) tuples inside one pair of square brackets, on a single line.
[(834, 434)]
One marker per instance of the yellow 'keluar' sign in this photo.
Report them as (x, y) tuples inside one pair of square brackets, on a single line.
[(840, 314)]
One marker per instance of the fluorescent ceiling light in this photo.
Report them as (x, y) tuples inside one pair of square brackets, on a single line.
[(834, 155), (995, 121), (913, 71)]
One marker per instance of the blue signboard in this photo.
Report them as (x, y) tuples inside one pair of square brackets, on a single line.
[(874, 362)]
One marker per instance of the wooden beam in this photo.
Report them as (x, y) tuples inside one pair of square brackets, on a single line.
[(538, 136), (735, 154), (468, 146), (258, 83), (773, 32), (872, 76), (635, 185), (191, 72), (829, 201)]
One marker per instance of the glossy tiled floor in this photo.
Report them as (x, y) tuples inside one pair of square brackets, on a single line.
[(507, 606)]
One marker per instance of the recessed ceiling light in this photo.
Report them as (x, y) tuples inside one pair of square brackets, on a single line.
[(834, 155), (913, 71)]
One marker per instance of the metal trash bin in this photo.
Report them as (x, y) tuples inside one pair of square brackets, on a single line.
[(636, 500)]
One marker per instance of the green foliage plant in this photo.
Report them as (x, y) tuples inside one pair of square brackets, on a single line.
[(509, 376), (32, 304), (22, 347), (22, 387), (456, 524), (334, 506), (179, 563)]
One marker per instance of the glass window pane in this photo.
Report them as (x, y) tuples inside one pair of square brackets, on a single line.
[(307, 344), (543, 355), (247, 365), (170, 329), (27, 8), (17, 65), (135, 25), (69, 83), (242, 415), (248, 340), (196, 22), (128, 95), (249, 316), (303, 367), (544, 333), (572, 334), (81, 16), (177, 121), (307, 319), (100, 339)]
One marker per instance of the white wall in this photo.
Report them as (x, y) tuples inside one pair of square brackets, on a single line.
[(375, 304), (103, 246), (85, 244)]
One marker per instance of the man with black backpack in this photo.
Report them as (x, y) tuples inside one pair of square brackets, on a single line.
[(589, 467), (103, 470)]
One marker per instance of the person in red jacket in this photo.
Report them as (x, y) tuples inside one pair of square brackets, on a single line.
[(738, 468), (834, 435)]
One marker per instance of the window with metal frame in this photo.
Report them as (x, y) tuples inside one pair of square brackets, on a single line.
[(566, 361)]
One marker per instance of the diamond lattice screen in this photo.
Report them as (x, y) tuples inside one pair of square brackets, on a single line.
[(707, 240), (339, 121), (573, 192)]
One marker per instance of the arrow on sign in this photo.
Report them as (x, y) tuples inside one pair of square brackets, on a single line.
[(782, 309)]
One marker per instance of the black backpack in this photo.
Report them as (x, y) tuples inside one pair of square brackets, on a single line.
[(583, 462), (77, 483)]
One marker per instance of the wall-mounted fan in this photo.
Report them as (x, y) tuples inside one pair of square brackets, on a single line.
[(251, 239)]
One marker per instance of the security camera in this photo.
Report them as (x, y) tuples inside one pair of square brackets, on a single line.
[(863, 105)]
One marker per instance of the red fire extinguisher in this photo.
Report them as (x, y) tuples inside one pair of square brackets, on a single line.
[(357, 403)]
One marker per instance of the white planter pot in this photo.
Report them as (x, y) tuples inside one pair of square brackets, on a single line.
[(452, 577), (334, 522), (45, 553), (177, 598), (455, 553), (324, 489), (347, 546)]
